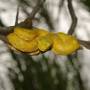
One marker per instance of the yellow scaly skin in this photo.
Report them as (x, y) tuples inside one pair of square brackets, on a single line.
[(25, 34), (65, 44), (35, 41), (26, 40), (21, 44)]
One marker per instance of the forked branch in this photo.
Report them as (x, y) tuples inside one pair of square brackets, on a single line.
[(27, 23), (74, 23)]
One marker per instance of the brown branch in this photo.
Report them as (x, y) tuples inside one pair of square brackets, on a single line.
[(6, 30), (61, 3), (71, 31), (47, 17), (86, 44), (17, 15), (27, 23), (36, 9), (74, 23), (73, 17)]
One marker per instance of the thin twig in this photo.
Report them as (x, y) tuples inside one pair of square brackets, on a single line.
[(6, 30), (47, 17), (24, 2), (36, 9), (17, 15), (27, 23), (85, 43), (73, 16), (61, 3)]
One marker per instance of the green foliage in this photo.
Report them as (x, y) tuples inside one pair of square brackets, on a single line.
[(38, 75), (41, 74)]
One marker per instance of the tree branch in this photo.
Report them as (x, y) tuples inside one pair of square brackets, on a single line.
[(74, 23), (6, 30), (86, 44), (27, 23), (47, 17), (17, 15), (71, 31), (73, 17)]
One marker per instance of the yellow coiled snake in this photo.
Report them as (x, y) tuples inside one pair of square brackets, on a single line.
[(36, 41)]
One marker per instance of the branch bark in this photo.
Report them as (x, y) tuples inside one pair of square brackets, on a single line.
[(86, 44), (74, 24), (73, 17), (27, 23)]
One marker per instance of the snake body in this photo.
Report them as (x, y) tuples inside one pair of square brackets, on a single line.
[(36, 41)]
